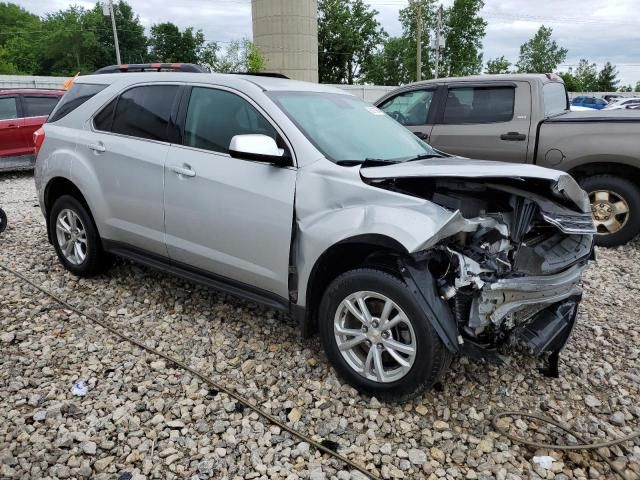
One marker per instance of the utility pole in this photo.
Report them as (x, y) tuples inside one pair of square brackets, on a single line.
[(419, 40), (437, 40), (107, 10)]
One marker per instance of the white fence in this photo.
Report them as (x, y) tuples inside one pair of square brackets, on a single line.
[(370, 93)]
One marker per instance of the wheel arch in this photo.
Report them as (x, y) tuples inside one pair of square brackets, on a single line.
[(353, 252), (57, 187), (625, 170)]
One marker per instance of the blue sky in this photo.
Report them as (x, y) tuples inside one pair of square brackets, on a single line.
[(593, 29)]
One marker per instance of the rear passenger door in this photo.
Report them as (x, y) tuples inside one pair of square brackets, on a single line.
[(12, 142), (228, 216), (126, 147), (412, 109), (485, 121)]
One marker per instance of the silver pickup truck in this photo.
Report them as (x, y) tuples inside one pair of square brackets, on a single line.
[(526, 119)]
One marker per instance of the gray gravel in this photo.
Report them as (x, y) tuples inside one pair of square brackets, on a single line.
[(144, 418)]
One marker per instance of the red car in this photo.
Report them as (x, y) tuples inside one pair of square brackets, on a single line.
[(22, 112)]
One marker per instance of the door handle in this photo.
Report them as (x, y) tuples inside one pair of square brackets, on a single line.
[(13, 125), (421, 135), (98, 147), (513, 137), (185, 170)]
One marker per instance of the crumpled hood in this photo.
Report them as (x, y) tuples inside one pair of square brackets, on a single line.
[(457, 167)]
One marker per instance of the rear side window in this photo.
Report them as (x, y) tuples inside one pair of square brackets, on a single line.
[(214, 117), (104, 119), (8, 108), (479, 105), (38, 106), (144, 112), (78, 94), (409, 108), (555, 99)]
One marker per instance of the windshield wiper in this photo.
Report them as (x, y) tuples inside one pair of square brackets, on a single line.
[(367, 162), (424, 156)]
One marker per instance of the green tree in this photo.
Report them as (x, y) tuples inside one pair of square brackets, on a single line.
[(69, 43), (626, 88), (131, 36), (570, 81), (586, 76), (637, 89), (541, 54), (465, 29), (349, 36), (498, 65), (608, 78), (19, 39), (255, 61), (168, 44), (389, 65)]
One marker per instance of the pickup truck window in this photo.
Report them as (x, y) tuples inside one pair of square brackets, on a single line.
[(555, 99), (410, 108), (479, 105)]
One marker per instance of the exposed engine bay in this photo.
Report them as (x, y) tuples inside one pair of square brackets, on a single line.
[(510, 270)]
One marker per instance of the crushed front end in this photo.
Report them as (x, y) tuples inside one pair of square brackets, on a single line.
[(508, 264)]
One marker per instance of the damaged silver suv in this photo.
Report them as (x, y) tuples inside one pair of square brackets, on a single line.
[(311, 201)]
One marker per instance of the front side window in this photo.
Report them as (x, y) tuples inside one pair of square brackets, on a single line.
[(410, 108), (479, 105), (8, 108), (346, 129), (555, 98), (589, 101), (214, 117), (38, 106), (78, 94), (144, 112)]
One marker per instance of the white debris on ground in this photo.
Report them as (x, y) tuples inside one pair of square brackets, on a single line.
[(143, 418)]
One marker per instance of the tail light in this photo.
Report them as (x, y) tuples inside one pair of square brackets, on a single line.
[(38, 140)]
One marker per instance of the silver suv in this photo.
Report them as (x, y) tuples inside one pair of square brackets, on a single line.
[(311, 201)]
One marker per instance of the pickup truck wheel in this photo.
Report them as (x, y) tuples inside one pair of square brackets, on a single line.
[(377, 337), (75, 237), (615, 204)]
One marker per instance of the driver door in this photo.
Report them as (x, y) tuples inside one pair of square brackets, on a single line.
[(411, 109)]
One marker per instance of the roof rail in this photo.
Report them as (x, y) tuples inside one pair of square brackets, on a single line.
[(264, 74), (152, 67)]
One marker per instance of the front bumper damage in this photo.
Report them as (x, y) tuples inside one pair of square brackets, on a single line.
[(503, 277)]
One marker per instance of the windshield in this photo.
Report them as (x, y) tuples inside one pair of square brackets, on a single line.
[(346, 129)]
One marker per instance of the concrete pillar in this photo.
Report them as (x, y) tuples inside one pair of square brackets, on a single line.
[(286, 32)]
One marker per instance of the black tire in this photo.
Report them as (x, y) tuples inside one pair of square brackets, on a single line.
[(626, 190), (96, 260), (3, 220), (432, 358)]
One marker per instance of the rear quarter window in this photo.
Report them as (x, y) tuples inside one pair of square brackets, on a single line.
[(555, 99), (78, 94)]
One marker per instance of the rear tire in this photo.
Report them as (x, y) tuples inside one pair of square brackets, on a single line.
[(404, 374), (75, 237), (3, 221), (615, 203)]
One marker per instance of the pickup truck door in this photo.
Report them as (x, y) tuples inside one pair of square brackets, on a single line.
[(485, 121), (413, 109)]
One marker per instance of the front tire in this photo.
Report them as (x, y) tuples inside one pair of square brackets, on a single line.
[(378, 338), (615, 204), (75, 237)]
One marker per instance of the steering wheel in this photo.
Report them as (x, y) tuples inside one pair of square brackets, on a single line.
[(398, 117)]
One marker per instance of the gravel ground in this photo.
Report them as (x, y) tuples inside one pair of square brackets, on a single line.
[(142, 418)]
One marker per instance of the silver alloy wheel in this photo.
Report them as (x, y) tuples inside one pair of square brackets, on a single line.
[(72, 236), (375, 337), (610, 211)]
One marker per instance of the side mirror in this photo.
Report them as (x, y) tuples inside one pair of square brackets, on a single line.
[(258, 147)]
